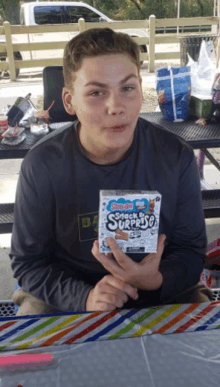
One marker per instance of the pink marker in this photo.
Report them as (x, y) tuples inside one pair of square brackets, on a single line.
[(14, 362)]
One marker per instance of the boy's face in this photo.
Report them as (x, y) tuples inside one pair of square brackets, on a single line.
[(107, 99)]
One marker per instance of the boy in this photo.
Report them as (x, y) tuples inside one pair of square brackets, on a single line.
[(54, 250)]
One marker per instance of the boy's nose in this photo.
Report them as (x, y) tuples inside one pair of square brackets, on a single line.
[(115, 105)]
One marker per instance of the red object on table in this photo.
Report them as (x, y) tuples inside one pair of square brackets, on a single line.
[(12, 362)]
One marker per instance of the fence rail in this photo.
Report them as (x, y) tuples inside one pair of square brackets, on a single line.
[(186, 21), (183, 29), (10, 46)]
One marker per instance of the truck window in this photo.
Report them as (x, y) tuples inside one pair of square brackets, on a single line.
[(75, 13), (50, 15)]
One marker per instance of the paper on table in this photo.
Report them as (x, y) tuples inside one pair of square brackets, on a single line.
[(13, 131)]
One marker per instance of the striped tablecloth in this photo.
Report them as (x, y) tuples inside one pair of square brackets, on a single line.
[(27, 332)]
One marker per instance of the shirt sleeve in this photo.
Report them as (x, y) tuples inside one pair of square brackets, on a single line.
[(33, 243), (185, 251)]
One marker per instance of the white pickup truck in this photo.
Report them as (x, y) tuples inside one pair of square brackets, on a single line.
[(44, 13)]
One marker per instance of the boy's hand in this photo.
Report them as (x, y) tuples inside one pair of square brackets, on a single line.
[(144, 275), (109, 293)]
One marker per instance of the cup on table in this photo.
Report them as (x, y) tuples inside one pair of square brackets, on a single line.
[(42, 115), (39, 128)]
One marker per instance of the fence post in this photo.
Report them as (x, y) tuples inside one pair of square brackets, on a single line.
[(81, 24), (10, 53), (218, 41), (151, 44)]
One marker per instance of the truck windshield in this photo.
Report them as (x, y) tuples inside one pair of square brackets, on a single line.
[(53, 14), (76, 12)]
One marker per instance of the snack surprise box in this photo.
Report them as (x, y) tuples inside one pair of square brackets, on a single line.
[(131, 218)]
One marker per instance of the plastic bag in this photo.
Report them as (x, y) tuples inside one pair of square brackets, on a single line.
[(29, 118), (210, 49), (202, 74), (173, 89)]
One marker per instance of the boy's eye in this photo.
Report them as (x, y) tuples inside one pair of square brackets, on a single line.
[(101, 93), (96, 93), (128, 88)]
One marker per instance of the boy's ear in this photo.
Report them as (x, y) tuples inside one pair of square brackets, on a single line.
[(67, 101)]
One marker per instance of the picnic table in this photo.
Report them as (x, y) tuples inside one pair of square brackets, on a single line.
[(198, 137)]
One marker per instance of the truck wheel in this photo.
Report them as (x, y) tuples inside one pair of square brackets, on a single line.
[(6, 74), (143, 49)]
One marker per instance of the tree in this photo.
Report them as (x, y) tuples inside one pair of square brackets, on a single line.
[(9, 11), (138, 5), (196, 8), (142, 9), (108, 7)]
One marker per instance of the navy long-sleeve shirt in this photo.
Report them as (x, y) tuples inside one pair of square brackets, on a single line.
[(56, 215)]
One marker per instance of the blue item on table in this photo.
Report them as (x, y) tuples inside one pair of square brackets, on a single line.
[(173, 90)]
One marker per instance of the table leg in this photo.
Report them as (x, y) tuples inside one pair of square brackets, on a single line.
[(200, 162), (211, 158)]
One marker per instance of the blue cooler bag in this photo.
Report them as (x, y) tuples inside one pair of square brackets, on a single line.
[(174, 90)]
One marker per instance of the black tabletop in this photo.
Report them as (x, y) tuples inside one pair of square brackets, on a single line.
[(20, 150), (197, 136)]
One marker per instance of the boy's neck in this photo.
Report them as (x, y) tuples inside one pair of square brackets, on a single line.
[(107, 158), (101, 156)]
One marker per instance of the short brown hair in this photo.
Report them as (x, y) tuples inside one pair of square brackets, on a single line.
[(93, 42)]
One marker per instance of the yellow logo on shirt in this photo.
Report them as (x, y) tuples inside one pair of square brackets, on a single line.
[(88, 226)]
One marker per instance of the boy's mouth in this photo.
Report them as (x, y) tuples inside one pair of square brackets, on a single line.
[(119, 127)]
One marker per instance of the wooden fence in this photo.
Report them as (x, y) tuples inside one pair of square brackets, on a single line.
[(149, 26)]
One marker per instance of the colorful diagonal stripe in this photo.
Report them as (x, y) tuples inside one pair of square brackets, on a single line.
[(18, 329), (92, 327), (156, 321), (176, 319), (210, 322), (196, 318), (64, 332), (58, 329), (7, 325), (132, 324), (109, 328)]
